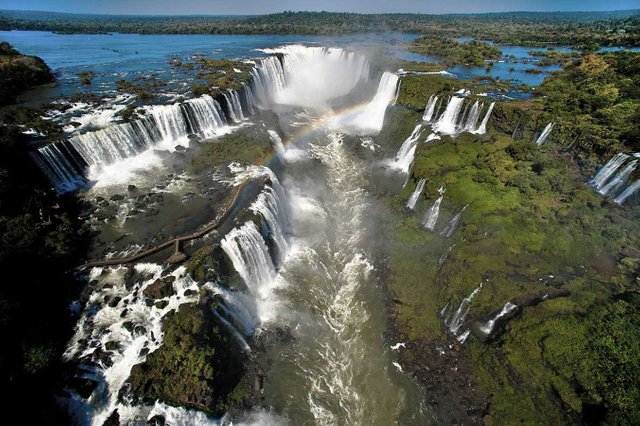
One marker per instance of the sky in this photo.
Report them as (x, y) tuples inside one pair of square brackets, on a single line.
[(241, 7)]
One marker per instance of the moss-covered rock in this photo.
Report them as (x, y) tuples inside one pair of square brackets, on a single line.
[(199, 364)]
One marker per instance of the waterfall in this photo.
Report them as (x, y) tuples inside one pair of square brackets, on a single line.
[(311, 76), (615, 184), (629, 191), (270, 206), (457, 319), (251, 259), (251, 256), (608, 170), (250, 100), (483, 126), (447, 123), (64, 169), (413, 200), (545, 134), (611, 179), (453, 223), (405, 154), (277, 142), (487, 328), (371, 119), (67, 163), (431, 216), (472, 119), (430, 109), (235, 111)]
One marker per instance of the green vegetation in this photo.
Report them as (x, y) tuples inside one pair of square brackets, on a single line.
[(197, 366), (583, 29), (453, 52), (595, 103), (144, 88), (219, 75), (249, 145), (19, 72), (555, 57), (532, 225)]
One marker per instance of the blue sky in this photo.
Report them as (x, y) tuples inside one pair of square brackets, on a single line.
[(269, 6)]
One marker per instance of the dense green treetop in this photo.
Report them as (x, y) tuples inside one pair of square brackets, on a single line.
[(529, 28)]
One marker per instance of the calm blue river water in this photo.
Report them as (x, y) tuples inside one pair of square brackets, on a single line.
[(115, 56)]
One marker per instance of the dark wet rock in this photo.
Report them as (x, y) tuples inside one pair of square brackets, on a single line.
[(113, 419), (112, 346), (148, 302), (19, 73), (159, 289), (128, 274), (180, 148), (133, 212), (101, 357), (162, 304), (124, 313), (189, 292), (117, 197), (83, 387), (131, 188), (144, 351), (445, 374), (102, 215), (156, 420), (128, 325), (152, 212), (114, 302)]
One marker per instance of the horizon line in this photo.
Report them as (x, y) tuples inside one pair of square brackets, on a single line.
[(231, 15)]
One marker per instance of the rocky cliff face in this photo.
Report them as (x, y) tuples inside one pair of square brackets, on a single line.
[(20, 72)]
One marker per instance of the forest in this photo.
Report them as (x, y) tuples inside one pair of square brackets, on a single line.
[(582, 29)]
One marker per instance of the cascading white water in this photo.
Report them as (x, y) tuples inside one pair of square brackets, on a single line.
[(371, 118), (315, 75), (250, 255), (405, 154), (617, 182), (277, 142), (455, 321), (163, 127), (251, 259), (447, 123), (482, 129), (63, 172), (413, 200), (608, 170), (233, 105), (628, 192), (455, 119), (430, 218), (473, 116), (611, 179), (487, 328), (452, 225), (270, 206), (430, 109), (117, 330), (545, 134)]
